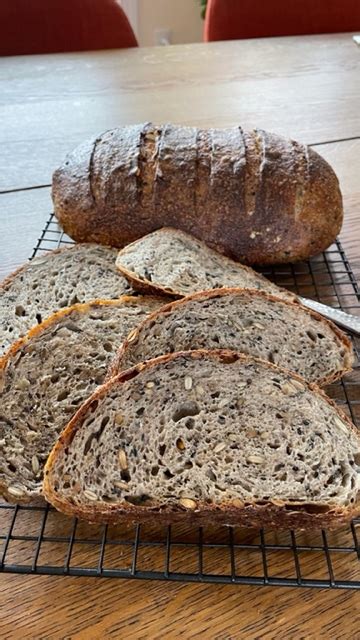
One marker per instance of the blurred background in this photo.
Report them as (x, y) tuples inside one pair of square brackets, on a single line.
[(157, 22), (49, 26)]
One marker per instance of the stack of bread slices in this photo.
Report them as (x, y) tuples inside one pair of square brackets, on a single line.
[(167, 382)]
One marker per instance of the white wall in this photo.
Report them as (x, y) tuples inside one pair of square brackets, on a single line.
[(182, 17)]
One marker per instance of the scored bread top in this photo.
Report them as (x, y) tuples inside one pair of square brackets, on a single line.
[(207, 436), (253, 195), (45, 377), (245, 320), (55, 280)]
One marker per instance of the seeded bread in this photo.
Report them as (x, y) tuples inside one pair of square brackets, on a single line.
[(55, 280), (207, 436), (47, 375), (254, 196), (252, 322), (176, 264)]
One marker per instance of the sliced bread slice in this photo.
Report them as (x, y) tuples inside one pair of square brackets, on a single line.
[(47, 375), (172, 262), (55, 280), (245, 320), (207, 436)]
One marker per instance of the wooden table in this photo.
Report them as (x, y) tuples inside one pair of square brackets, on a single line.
[(307, 88)]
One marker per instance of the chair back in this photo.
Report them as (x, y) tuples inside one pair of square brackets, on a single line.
[(236, 19), (49, 26)]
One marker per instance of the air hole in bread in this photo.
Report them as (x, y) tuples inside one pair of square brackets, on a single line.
[(211, 475), (357, 458), (138, 500), (62, 395), (19, 310), (190, 408), (279, 466), (96, 435), (125, 475)]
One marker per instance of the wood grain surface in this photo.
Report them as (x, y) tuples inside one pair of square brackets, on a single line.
[(22, 217), (345, 159), (55, 608), (307, 88)]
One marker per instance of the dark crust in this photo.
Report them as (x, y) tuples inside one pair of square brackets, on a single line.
[(309, 224), (228, 291), (280, 515), (224, 176), (145, 286), (32, 333), (174, 176), (72, 195)]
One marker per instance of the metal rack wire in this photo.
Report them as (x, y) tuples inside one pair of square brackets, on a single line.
[(38, 540)]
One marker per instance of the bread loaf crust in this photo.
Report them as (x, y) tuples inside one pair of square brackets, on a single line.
[(254, 196), (277, 514)]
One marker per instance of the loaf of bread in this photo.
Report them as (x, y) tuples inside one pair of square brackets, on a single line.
[(254, 196), (252, 322), (207, 437), (55, 280), (47, 375), (173, 263)]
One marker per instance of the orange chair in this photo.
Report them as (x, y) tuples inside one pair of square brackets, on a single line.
[(235, 19), (49, 26)]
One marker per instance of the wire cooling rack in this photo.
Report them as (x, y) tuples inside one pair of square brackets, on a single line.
[(39, 540)]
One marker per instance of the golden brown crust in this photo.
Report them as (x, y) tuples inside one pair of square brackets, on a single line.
[(255, 515), (272, 514), (285, 206), (213, 293)]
